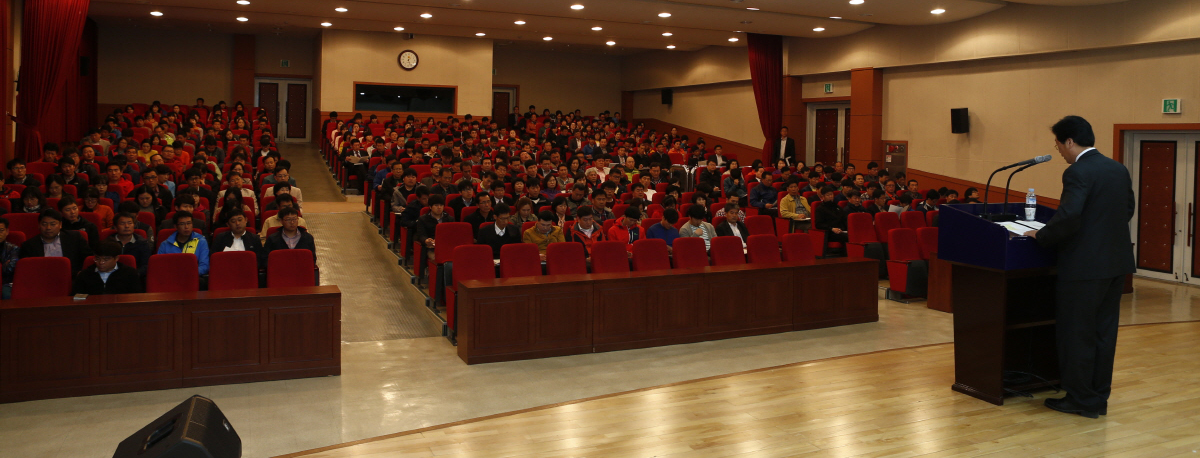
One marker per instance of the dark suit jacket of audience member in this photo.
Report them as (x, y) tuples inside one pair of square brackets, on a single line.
[(122, 281), (83, 225), (249, 241), (723, 230), (276, 242), (476, 220), (458, 204), (73, 248), (829, 215), (140, 248), (488, 236)]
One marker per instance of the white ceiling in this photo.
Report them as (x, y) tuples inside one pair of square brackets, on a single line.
[(633, 24)]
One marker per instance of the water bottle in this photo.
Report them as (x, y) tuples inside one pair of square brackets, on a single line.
[(1030, 205)]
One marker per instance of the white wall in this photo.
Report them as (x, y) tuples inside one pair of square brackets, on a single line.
[(560, 80)]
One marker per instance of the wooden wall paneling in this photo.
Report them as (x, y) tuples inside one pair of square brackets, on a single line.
[(242, 347), (866, 120), (560, 319), (940, 282), (524, 318), (244, 49), (745, 153), (138, 345)]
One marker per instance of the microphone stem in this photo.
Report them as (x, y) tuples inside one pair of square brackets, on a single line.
[(1009, 183)]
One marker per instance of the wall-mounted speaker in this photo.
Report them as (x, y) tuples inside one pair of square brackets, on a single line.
[(960, 121), (668, 96), (194, 428)]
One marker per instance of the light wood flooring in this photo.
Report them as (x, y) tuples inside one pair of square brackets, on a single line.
[(895, 403)]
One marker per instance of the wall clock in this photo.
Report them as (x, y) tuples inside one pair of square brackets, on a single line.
[(408, 59)]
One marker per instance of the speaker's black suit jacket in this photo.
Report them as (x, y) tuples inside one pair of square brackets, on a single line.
[(1090, 231)]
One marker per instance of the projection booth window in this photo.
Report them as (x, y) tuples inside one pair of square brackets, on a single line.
[(420, 99)]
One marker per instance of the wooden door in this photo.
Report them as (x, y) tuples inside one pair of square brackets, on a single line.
[(500, 107), (826, 140), (268, 100), (297, 110), (1156, 206), (1194, 216)]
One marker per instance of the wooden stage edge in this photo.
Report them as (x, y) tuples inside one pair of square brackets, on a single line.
[(639, 390)]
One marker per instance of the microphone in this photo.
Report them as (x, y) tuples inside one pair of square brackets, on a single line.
[(1028, 162)]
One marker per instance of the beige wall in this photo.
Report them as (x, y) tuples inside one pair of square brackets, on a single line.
[(1013, 102), (370, 57), (1016, 29), (144, 65), (560, 80), (813, 86), (662, 69), (725, 110), (270, 49)]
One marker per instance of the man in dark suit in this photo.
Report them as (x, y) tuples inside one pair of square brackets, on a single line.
[(501, 233), (785, 147), (237, 238), (107, 276), (1090, 231), (54, 241), (733, 225)]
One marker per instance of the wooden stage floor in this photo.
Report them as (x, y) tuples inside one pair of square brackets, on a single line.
[(892, 403)]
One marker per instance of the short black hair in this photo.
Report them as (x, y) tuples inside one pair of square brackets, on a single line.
[(286, 212), (437, 199), (671, 215), (1074, 128), (182, 214), (108, 248), (828, 189), (502, 209), (633, 212), (696, 211), (50, 213), (584, 211), (546, 216)]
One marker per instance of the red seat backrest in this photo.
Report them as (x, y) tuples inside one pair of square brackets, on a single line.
[(468, 211), (797, 247), (650, 254), (609, 257), (450, 236), (26, 223), (563, 258), (474, 262), (927, 241), (173, 273), (885, 222), (760, 225), (519, 260), (912, 219), (41, 277), (727, 251), (902, 245), (650, 222), (861, 228), (763, 249), (232, 270), (689, 253), (930, 218), (290, 268), (16, 238)]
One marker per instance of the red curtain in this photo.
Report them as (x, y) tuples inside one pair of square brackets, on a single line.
[(51, 31), (766, 76)]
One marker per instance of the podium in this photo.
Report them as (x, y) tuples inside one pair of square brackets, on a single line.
[(1003, 294)]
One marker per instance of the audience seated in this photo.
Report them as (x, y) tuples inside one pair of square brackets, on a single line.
[(53, 241), (665, 229), (426, 226), (184, 240), (237, 238), (628, 229), (73, 221), (733, 226), (290, 236), (283, 201), (501, 233), (543, 233), (586, 230), (9, 254), (107, 276), (698, 227)]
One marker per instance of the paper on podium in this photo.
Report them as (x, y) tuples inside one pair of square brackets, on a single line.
[(1021, 227)]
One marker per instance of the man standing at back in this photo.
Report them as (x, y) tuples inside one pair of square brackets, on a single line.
[(1090, 231)]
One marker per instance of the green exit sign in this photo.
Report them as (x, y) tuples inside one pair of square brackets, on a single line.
[(285, 63), (828, 88), (1170, 106)]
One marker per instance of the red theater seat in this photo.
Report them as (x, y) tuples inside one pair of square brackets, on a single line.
[(474, 262), (290, 268), (41, 277), (232, 270), (173, 273), (520, 260), (650, 254), (564, 258), (727, 251), (763, 249), (609, 257), (797, 247)]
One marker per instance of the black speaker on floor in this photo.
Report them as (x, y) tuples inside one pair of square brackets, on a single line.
[(195, 428), (668, 96), (960, 121)]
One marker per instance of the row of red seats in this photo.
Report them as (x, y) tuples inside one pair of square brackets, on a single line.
[(49, 277)]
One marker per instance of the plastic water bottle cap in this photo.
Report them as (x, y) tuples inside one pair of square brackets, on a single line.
[(1030, 189)]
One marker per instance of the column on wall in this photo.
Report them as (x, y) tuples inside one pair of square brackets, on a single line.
[(795, 113), (866, 116), (243, 70)]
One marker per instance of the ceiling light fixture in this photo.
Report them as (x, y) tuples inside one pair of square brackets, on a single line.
[(341, 9), (597, 28), (664, 14), (398, 29), (426, 15), (835, 17), (610, 43), (733, 40), (752, 9), (819, 29), (576, 7), (326, 24), (156, 13), (857, 2), (480, 34), (243, 19), (243, 2), (667, 34), (547, 38), (938, 11), (670, 46), (519, 22)]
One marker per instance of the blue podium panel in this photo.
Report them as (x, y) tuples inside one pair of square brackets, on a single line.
[(965, 237)]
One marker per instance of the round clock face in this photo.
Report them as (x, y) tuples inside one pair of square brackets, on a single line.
[(408, 60)]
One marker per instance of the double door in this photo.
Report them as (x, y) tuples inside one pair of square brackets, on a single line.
[(286, 104), (828, 133), (1166, 179)]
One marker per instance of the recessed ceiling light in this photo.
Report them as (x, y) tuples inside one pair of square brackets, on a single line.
[(326, 24), (819, 29), (938, 11), (610, 43), (340, 9), (156, 13), (752, 9), (547, 38), (576, 7), (835, 17), (480, 34), (734, 39), (670, 46), (857, 2), (519, 22), (243, 2), (664, 14), (398, 29), (667, 34), (243, 19), (426, 15), (597, 28)]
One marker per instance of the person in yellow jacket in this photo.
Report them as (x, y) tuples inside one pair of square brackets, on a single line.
[(800, 214), (543, 233)]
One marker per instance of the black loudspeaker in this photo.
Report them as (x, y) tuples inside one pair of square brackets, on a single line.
[(668, 96), (960, 121), (194, 429)]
